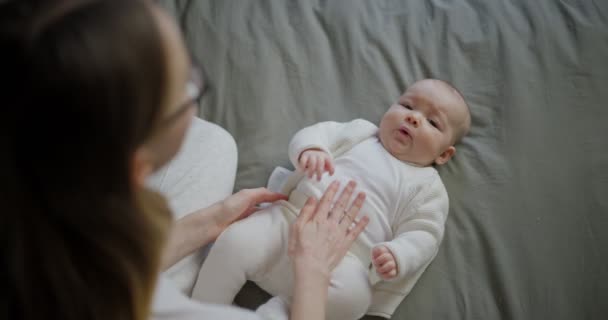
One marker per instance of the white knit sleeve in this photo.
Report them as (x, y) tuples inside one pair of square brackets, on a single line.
[(419, 232), (317, 136), (328, 136)]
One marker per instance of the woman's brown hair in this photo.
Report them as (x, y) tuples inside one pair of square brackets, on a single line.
[(84, 85)]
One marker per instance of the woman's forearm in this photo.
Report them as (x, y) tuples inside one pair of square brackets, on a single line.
[(190, 233), (310, 294), (204, 226)]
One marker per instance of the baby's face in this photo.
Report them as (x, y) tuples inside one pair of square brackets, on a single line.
[(423, 125)]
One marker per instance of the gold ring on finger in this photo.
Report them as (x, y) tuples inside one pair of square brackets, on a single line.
[(346, 215)]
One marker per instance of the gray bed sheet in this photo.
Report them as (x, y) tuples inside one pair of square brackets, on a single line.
[(527, 234)]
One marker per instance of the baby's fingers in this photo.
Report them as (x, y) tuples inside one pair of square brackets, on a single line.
[(329, 166), (320, 165), (378, 251), (304, 161), (389, 274), (311, 166), (387, 267), (382, 259)]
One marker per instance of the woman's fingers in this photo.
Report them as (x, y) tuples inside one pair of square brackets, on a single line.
[(339, 209), (353, 233), (306, 214), (351, 214), (260, 195), (308, 211), (320, 242), (326, 200)]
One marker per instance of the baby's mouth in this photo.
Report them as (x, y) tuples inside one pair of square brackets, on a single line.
[(405, 131), (403, 136)]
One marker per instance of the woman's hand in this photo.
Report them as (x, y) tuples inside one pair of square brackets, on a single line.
[(318, 240), (242, 204), (204, 225), (322, 234)]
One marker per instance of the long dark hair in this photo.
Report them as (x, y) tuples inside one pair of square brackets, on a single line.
[(84, 85)]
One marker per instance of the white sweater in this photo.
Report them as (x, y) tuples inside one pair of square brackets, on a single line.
[(407, 204)]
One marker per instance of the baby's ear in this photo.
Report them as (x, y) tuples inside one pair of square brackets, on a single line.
[(446, 155)]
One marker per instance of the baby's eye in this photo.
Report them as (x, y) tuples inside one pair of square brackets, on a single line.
[(407, 106), (433, 123)]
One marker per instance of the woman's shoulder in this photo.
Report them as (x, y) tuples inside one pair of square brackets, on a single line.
[(170, 304)]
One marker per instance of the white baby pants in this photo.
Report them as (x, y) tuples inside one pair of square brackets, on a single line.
[(256, 249)]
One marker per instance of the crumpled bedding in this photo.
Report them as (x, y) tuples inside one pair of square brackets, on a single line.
[(528, 227)]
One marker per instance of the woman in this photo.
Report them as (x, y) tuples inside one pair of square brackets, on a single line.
[(100, 94)]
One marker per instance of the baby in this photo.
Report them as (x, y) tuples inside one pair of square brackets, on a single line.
[(406, 202)]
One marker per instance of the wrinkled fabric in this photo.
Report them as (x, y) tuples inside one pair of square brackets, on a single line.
[(528, 224)]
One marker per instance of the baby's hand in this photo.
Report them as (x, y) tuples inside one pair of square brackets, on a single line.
[(385, 263), (314, 161)]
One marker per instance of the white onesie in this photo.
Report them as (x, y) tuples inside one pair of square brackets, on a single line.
[(407, 206)]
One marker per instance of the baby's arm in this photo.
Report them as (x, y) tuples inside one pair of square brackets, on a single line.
[(417, 234), (311, 149)]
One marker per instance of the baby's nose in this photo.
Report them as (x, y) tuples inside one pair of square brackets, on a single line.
[(413, 120)]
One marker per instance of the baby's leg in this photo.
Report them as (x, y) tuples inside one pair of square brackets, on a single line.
[(350, 292), (274, 309), (349, 295), (244, 251)]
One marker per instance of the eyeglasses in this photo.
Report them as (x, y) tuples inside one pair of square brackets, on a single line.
[(194, 91)]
